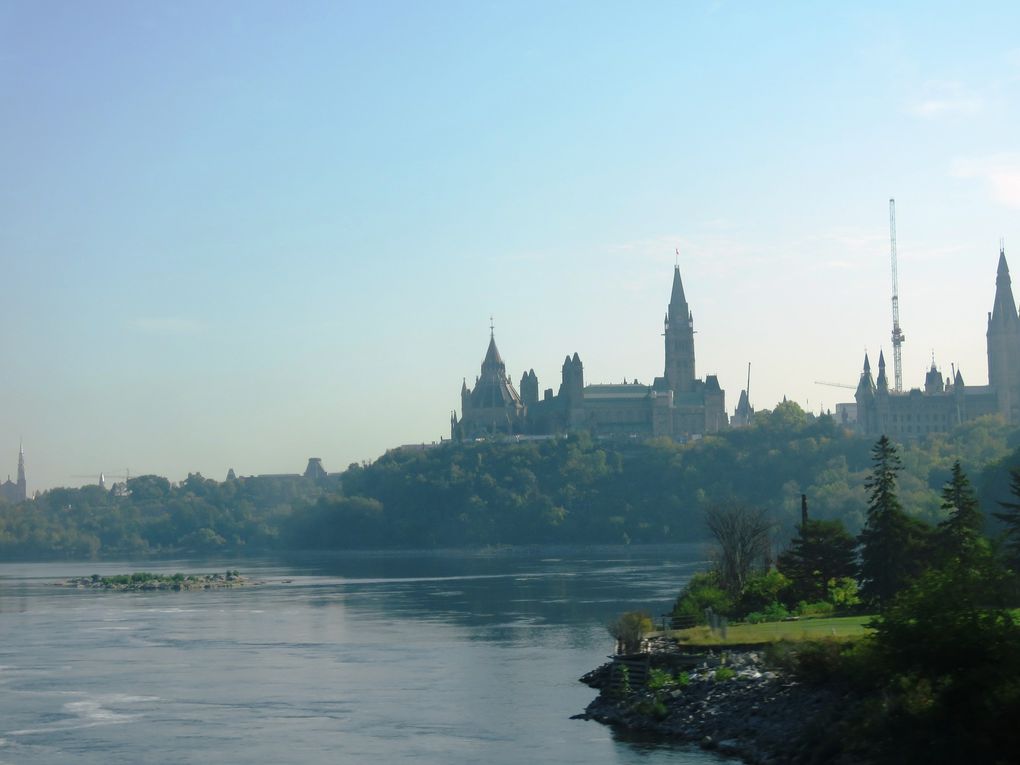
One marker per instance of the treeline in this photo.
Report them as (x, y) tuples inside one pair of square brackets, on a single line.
[(150, 516), (938, 679), (575, 490)]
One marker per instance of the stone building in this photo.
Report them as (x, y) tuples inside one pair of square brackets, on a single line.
[(945, 402), (677, 404), (16, 492)]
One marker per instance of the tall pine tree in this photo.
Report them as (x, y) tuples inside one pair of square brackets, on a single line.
[(822, 550), (1011, 518), (959, 535), (893, 545)]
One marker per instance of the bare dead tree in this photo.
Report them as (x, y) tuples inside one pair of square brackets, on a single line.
[(743, 536)]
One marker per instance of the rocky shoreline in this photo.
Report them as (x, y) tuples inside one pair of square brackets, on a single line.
[(142, 582), (732, 702)]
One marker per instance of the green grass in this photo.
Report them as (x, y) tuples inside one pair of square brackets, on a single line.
[(803, 629)]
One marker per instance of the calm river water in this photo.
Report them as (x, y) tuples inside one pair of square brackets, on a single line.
[(412, 657)]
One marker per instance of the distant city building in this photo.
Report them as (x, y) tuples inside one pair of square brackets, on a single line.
[(676, 404), (16, 492), (946, 402)]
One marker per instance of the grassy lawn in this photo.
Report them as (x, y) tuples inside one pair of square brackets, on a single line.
[(802, 629)]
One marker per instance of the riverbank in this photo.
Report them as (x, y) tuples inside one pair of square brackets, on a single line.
[(732, 702)]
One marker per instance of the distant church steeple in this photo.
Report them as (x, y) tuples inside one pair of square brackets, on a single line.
[(22, 485), (679, 333)]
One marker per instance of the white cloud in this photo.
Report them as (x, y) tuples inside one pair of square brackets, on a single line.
[(168, 325), (1000, 171), (938, 107), (944, 99)]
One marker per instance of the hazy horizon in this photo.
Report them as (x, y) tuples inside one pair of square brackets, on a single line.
[(238, 236)]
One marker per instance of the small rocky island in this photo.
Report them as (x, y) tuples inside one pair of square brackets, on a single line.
[(735, 701), (144, 582)]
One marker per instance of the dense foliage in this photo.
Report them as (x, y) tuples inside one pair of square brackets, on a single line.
[(561, 490), (939, 679)]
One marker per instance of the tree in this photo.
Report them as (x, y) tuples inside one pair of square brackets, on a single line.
[(821, 551), (1011, 518), (960, 533), (700, 593), (947, 646), (742, 535), (893, 545)]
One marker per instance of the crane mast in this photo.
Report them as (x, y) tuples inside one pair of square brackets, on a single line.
[(897, 333)]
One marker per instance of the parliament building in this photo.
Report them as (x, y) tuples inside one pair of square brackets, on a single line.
[(946, 402), (677, 404)]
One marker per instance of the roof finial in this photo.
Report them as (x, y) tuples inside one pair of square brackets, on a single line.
[(492, 327), (677, 263)]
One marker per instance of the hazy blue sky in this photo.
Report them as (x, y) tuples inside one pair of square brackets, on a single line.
[(239, 234)]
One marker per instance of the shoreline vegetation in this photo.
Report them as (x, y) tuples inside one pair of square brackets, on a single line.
[(142, 581), (914, 656)]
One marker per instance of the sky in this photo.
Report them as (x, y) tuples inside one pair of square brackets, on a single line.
[(238, 235)]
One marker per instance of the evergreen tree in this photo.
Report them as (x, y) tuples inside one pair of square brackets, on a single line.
[(1011, 518), (960, 533), (893, 545), (822, 550)]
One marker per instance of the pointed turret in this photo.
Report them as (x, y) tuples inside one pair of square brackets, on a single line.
[(866, 386), (529, 388), (493, 362), (933, 380), (882, 383), (958, 380), (867, 417)]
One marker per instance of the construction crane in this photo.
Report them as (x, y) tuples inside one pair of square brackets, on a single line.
[(836, 385), (897, 333)]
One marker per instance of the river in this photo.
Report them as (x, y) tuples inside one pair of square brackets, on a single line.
[(425, 657)]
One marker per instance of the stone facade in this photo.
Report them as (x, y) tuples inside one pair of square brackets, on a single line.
[(946, 402), (677, 404)]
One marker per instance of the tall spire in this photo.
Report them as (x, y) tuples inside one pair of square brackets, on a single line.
[(882, 382), (22, 484), (678, 310), (1004, 308), (679, 335)]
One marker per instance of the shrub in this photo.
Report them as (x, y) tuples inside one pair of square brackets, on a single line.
[(629, 629), (702, 591), (658, 679), (774, 612), (724, 673), (762, 591), (843, 592)]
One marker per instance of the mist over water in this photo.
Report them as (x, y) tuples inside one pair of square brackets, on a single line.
[(445, 657)]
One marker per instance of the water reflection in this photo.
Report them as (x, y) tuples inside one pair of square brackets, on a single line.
[(425, 657)]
